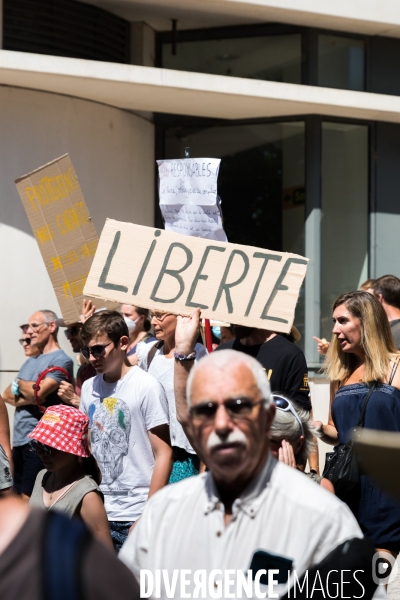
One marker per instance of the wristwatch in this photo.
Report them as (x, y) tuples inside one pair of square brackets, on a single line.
[(181, 357)]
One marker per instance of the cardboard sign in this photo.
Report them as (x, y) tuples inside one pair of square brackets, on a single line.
[(157, 269), (62, 226), (188, 181)]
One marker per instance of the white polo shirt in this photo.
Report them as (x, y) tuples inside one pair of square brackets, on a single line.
[(282, 513)]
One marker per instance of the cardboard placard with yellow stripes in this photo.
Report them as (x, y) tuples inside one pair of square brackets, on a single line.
[(63, 229), (168, 271)]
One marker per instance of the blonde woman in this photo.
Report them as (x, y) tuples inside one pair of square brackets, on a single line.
[(362, 351)]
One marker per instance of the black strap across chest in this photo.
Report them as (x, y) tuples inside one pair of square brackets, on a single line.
[(153, 351)]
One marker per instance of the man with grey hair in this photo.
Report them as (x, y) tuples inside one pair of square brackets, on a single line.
[(203, 535), (43, 332)]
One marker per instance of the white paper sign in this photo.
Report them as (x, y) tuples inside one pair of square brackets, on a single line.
[(188, 181), (198, 221)]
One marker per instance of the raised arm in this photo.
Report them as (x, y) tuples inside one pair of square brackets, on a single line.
[(186, 334), (88, 310)]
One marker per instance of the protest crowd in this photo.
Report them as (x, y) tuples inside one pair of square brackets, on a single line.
[(159, 456)]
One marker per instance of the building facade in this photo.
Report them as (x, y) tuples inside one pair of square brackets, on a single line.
[(301, 103)]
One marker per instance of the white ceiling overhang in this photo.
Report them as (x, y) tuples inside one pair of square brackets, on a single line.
[(138, 88)]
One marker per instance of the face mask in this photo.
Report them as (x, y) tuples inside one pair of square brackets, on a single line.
[(216, 331), (131, 324)]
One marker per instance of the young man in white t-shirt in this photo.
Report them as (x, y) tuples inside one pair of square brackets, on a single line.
[(129, 429)]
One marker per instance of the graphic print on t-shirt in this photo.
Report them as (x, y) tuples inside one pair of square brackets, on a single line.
[(110, 423)]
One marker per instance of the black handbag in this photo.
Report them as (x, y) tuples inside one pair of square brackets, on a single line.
[(342, 469)]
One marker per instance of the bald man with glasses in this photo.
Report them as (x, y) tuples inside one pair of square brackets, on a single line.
[(42, 331)]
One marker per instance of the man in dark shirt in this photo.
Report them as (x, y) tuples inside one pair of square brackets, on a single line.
[(283, 361)]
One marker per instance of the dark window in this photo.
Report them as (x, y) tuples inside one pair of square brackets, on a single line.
[(267, 57), (65, 28), (261, 181), (341, 62)]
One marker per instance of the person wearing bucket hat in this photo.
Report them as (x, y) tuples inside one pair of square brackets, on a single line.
[(71, 478)]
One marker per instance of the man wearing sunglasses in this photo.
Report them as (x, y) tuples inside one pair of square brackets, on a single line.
[(128, 421), (249, 511), (42, 331)]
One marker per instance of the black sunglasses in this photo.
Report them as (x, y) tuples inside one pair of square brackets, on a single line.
[(96, 350), (26, 341), (74, 330), (35, 446), (238, 408)]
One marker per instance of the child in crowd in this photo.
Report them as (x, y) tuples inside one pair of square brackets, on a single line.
[(69, 483)]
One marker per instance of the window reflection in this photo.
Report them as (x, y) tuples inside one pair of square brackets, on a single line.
[(341, 62), (344, 225), (272, 58)]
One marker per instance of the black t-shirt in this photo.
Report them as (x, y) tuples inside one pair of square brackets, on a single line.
[(284, 363)]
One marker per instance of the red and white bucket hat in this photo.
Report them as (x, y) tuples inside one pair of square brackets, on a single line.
[(64, 428)]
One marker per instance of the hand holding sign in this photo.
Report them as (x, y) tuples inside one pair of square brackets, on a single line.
[(186, 332)]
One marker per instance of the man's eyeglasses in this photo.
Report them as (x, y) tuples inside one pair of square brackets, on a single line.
[(237, 409), (159, 316), (74, 330), (26, 341), (286, 406), (96, 350), (36, 326), (35, 446)]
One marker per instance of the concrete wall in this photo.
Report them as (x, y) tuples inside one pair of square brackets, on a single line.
[(113, 154)]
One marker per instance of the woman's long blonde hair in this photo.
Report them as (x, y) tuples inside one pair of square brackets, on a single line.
[(376, 340)]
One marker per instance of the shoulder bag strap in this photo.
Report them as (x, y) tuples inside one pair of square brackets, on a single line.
[(393, 373), (153, 351), (364, 408)]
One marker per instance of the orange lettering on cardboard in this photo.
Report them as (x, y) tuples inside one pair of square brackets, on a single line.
[(44, 234), (52, 189), (72, 218)]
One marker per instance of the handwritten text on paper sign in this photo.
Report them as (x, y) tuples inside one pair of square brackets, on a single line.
[(188, 181), (158, 269)]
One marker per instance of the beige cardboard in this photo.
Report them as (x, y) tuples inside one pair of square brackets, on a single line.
[(132, 262), (62, 226)]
